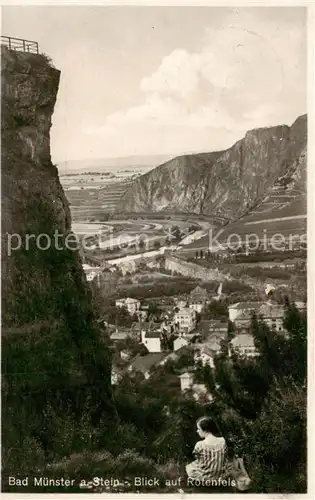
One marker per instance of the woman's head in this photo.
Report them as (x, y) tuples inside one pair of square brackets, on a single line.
[(206, 425)]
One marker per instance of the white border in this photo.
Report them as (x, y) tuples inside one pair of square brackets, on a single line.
[(310, 4)]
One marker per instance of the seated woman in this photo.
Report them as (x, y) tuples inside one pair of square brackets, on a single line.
[(210, 453)]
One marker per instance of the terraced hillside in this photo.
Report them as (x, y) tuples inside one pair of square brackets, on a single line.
[(95, 201)]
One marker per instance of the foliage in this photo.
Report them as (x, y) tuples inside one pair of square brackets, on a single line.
[(216, 309), (261, 404), (118, 316)]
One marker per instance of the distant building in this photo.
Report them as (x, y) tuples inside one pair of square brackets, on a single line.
[(207, 352), (186, 319), (196, 306), (198, 299), (241, 308), (199, 293), (241, 314), (244, 345), (216, 326), (186, 381), (152, 339), (180, 342), (132, 305)]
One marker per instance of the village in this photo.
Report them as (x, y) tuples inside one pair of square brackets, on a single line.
[(176, 327)]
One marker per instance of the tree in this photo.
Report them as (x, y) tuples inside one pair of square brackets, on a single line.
[(157, 245), (267, 396), (217, 309)]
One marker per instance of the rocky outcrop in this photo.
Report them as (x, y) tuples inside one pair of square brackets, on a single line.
[(53, 358), (224, 184)]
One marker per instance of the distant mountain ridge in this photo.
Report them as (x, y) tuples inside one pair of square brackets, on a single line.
[(225, 184)]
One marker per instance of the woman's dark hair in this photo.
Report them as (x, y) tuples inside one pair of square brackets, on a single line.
[(208, 424)]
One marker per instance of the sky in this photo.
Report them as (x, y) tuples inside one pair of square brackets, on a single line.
[(166, 80)]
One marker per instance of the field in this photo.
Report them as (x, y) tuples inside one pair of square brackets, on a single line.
[(93, 200), (95, 194)]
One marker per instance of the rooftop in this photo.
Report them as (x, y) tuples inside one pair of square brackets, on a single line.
[(243, 340), (144, 363), (153, 334), (185, 310), (246, 305)]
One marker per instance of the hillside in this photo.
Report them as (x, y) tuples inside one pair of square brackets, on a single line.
[(112, 164), (225, 184), (53, 362)]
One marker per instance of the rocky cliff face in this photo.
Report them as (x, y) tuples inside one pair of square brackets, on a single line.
[(222, 184), (51, 343)]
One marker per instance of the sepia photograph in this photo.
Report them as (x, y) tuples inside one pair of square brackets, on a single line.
[(154, 249)]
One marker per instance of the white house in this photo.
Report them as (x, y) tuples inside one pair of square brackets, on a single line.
[(186, 319), (180, 342), (244, 345), (272, 313), (152, 340), (133, 305)]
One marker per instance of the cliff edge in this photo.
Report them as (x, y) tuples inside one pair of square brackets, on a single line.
[(54, 363), (226, 184)]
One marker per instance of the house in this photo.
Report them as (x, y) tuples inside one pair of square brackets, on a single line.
[(244, 345), (181, 341), (198, 298), (196, 306), (186, 381), (185, 318), (216, 326), (144, 364), (241, 314), (207, 352), (132, 305), (152, 339), (199, 293), (241, 308)]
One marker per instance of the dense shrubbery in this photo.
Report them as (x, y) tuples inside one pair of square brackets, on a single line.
[(260, 407), (261, 404)]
